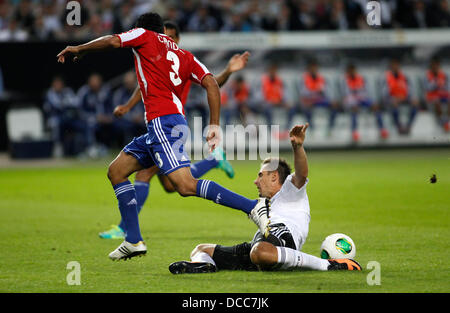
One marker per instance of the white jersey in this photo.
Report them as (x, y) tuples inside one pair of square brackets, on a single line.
[(290, 206)]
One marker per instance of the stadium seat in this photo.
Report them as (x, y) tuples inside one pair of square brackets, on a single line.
[(26, 134)]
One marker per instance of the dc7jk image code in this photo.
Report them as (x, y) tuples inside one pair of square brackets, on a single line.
[(257, 303)]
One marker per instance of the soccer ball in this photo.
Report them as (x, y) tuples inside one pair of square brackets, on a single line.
[(338, 246)]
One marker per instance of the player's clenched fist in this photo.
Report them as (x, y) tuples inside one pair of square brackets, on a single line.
[(120, 111), (297, 134), (213, 137)]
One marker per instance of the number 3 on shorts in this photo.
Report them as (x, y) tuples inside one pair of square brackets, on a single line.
[(174, 77), (158, 158)]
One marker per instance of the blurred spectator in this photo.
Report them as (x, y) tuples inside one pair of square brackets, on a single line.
[(271, 12), (13, 32), (131, 124), (106, 16), (356, 97), (272, 91), (235, 100), (46, 20), (202, 21), (95, 103), (417, 14), (314, 93), (437, 92), (63, 118), (24, 16), (123, 18), (336, 17), (236, 23), (440, 14), (303, 15), (186, 10), (397, 92)]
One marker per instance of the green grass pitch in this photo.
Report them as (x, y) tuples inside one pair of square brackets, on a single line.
[(384, 200)]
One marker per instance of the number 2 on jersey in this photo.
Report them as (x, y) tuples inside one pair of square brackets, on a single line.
[(174, 77)]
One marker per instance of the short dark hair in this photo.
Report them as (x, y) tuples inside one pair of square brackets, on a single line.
[(151, 21), (283, 168), (172, 25)]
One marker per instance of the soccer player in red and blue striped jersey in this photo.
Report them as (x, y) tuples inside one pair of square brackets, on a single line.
[(198, 169), (162, 69)]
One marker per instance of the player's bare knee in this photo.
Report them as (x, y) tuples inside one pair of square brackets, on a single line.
[(204, 247), (262, 254), (187, 188), (112, 173)]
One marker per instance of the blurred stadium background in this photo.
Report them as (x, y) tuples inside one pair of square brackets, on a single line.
[(48, 109)]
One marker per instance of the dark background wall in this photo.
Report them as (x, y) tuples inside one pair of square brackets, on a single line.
[(28, 69)]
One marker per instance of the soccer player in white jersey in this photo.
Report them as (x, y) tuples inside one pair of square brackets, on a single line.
[(289, 216)]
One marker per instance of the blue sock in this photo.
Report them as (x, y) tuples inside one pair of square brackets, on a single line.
[(210, 190), (201, 167), (142, 189), (126, 196)]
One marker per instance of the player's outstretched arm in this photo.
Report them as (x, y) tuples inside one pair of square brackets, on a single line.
[(297, 136), (99, 44), (121, 110), (235, 64)]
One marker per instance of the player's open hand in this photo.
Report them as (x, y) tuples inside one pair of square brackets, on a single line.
[(238, 62), (213, 137), (120, 110), (70, 51), (298, 134)]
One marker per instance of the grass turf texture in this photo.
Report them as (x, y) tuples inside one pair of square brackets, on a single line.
[(382, 199)]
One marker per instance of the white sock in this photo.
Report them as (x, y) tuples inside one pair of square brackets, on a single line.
[(202, 257), (290, 258)]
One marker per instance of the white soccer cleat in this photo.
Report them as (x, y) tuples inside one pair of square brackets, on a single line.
[(128, 250), (260, 215)]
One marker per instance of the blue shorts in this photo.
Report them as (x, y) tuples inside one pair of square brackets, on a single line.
[(163, 145)]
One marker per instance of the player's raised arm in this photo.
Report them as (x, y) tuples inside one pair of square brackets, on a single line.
[(235, 64), (99, 44), (121, 110), (297, 136)]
